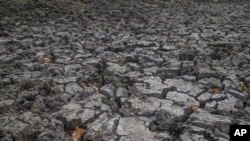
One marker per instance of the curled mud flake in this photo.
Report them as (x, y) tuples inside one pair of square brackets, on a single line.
[(45, 60), (28, 86), (96, 89), (78, 133), (217, 90), (194, 108), (245, 88)]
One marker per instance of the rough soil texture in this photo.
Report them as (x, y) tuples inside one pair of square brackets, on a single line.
[(134, 70)]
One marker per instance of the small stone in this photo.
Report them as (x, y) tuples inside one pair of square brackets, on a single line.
[(238, 104), (4, 82), (204, 97), (108, 90), (181, 97), (73, 88), (205, 73), (6, 103), (168, 48), (135, 128), (145, 44), (121, 92)]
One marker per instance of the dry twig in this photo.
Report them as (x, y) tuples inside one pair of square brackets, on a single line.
[(96, 89)]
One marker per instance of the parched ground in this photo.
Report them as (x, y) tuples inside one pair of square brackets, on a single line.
[(135, 70)]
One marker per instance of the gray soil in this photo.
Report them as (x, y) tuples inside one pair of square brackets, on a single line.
[(174, 71)]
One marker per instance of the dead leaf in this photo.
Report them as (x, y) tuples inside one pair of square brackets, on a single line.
[(121, 24), (45, 60), (245, 88), (78, 133), (96, 89), (194, 108), (28, 86), (217, 90), (130, 87)]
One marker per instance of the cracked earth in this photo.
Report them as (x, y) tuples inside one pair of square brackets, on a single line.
[(136, 70)]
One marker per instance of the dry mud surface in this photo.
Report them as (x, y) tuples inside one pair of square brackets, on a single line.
[(135, 70)]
